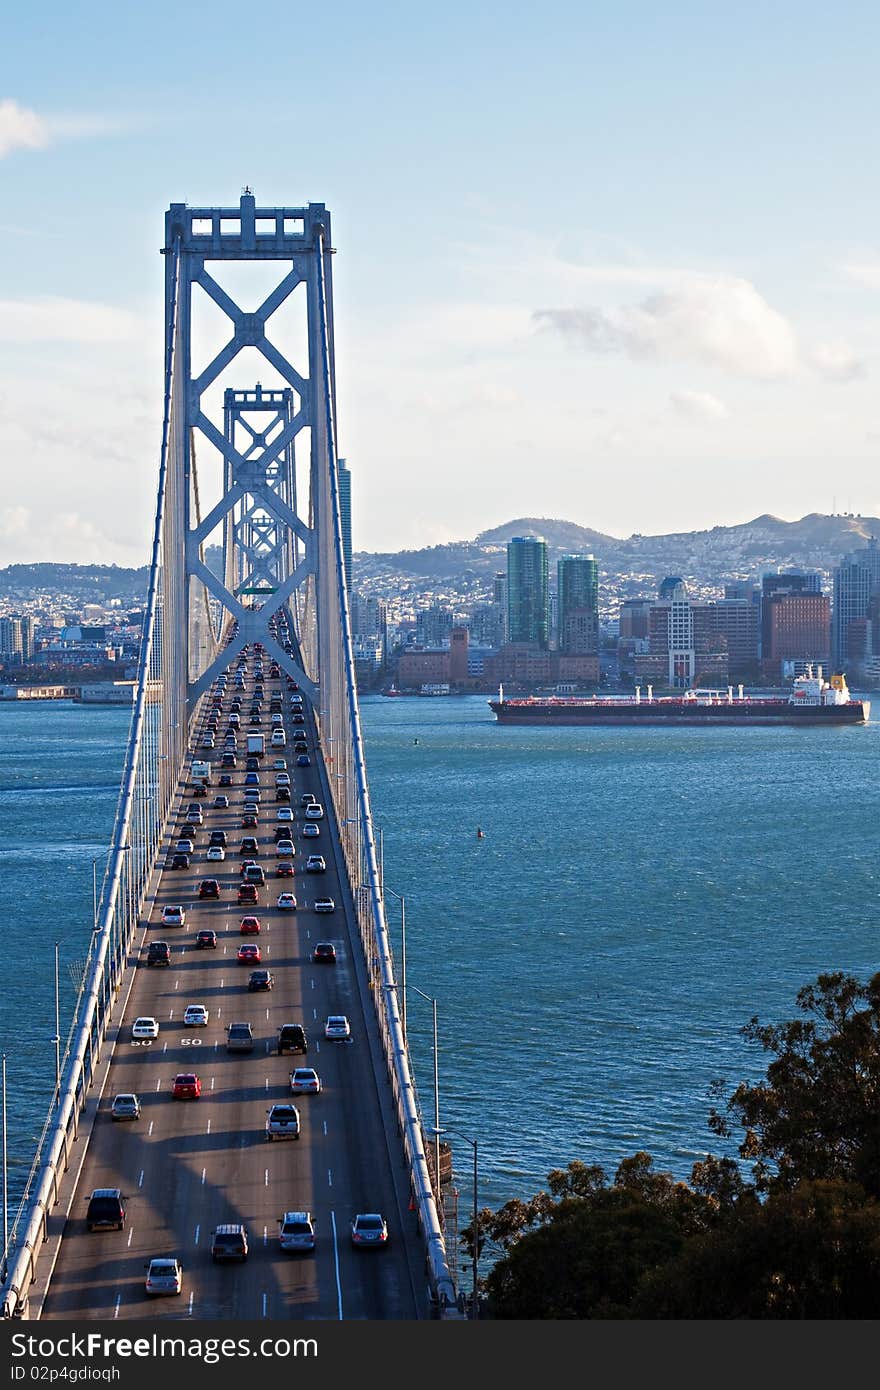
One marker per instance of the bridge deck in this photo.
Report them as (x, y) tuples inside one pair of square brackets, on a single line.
[(186, 1166)]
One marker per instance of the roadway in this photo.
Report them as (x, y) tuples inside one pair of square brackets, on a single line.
[(186, 1166)]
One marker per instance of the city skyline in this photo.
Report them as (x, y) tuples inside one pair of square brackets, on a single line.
[(669, 316)]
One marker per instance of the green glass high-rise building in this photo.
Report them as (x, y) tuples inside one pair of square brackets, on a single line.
[(528, 591), (344, 478), (577, 593)]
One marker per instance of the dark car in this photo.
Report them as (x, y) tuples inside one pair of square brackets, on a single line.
[(292, 1038), (225, 780), (283, 830), (229, 1243), (249, 820), (158, 953), (303, 760), (209, 888), (255, 873), (200, 790), (248, 893), (249, 845), (261, 979), (324, 953), (282, 794), (218, 837), (284, 869), (106, 1210), (252, 765), (206, 940), (228, 760), (179, 861)]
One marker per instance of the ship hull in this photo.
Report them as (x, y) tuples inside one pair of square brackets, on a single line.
[(681, 714)]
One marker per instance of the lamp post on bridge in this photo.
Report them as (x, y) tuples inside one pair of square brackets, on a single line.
[(402, 900), (475, 1244), (433, 1002)]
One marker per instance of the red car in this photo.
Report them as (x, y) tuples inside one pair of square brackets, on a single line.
[(249, 952), (209, 888), (248, 893), (206, 941), (284, 869), (250, 926), (186, 1086)]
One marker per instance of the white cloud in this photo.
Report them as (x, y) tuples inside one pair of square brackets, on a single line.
[(698, 405), (836, 361), (718, 321), (20, 129), (51, 318), (67, 537)]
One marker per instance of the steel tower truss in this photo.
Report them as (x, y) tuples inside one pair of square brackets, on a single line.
[(267, 544)]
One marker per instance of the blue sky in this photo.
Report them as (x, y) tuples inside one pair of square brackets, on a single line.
[(618, 263)]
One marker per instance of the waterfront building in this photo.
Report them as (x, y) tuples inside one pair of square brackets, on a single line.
[(577, 590), (795, 627), (856, 584), (528, 592)]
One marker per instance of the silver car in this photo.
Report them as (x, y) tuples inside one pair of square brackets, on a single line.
[(164, 1276), (126, 1106)]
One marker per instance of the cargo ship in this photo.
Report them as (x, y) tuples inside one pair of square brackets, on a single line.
[(813, 702)]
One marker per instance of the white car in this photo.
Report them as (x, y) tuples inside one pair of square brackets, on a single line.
[(305, 1081), (195, 1016), (369, 1228), (279, 765), (174, 916), (282, 779), (282, 1122), (145, 1028), (287, 902), (316, 864), (215, 853), (220, 802), (325, 905), (297, 1231), (284, 813), (337, 1026), (315, 812), (164, 1276), (311, 831), (284, 849)]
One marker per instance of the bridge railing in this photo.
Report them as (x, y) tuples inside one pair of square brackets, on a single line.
[(342, 739), (154, 752)]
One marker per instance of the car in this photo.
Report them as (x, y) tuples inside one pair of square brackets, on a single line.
[(337, 1027), (208, 741), (229, 1242), (282, 794), (325, 905), (228, 760), (255, 719), (252, 764), (315, 812), (260, 979), (195, 817), (324, 953), (296, 1230), (186, 1086), (249, 820), (252, 779), (279, 765), (282, 779), (126, 1106), (316, 864), (284, 869), (307, 799), (173, 916), (185, 845), (369, 1228), (239, 1037), (255, 873), (305, 1081), (249, 926), (216, 854), (278, 740), (282, 1122), (218, 837), (179, 860), (311, 830), (286, 902), (299, 719), (249, 846), (164, 1276), (292, 1038), (200, 789), (248, 893), (250, 808), (285, 814), (284, 848), (206, 940), (195, 1016), (244, 866), (225, 781), (248, 953), (106, 1210), (159, 953), (234, 719), (284, 830), (209, 888), (303, 760)]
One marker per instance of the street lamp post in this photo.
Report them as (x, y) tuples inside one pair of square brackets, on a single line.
[(57, 1038), (433, 1002), (475, 1294), (402, 900)]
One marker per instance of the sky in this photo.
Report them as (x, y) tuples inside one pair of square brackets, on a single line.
[(616, 263)]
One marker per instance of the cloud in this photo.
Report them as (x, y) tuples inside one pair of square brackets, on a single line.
[(20, 129), (53, 319), (698, 405), (717, 321), (865, 273), (66, 536), (836, 361)]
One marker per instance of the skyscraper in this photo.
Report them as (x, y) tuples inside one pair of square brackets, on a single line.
[(856, 581), (528, 591), (344, 478), (577, 579)]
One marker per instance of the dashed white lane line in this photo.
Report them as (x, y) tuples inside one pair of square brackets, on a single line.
[(317, 1046), (130, 1234), (150, 1130), (312, 983), (325, 1126), (158, 1082), (265, 1235), (267, 1083), (329, 1177), (267, 1177), (314, 1013), (336, 1261), (165, 1047), (204, 1173), (191, 1297), (116, 1309), (171, 1015), (212, 1083), (198, 1231), (141, 1179), (177, 984), (209, 1127), (264, 1305)]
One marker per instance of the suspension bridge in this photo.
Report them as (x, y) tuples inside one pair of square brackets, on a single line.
[(253, 468)]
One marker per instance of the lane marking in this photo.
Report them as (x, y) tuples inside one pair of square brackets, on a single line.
[(198, 1230), (150, 1130), (329, 1177), (267, 1177), (336, 1260), (171, 1015), (209, 1127), (267, 1083), (204, 1171), (165, 1047), (314, 1013), (264, 1306), (312, 984), (116, 1309), (191, 1296), (158, 1082), (177, 984), (130, 1234), (212, 1083), (265, 1235), (141, 1179), (325, 1126)]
